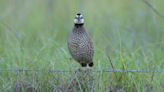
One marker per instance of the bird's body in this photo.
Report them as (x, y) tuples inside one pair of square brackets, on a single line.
[(80, 45)]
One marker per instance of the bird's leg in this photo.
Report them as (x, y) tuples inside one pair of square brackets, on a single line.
[(90, 64), (83, 64)]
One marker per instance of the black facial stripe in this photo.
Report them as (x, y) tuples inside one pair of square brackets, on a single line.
[(78, 17)]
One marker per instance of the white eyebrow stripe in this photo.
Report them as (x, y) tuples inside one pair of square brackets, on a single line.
[(81, 15)]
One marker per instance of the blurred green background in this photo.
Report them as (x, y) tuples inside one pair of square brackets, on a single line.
[(33, 35)]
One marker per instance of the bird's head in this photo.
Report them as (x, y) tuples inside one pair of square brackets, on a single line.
[(79, 19)]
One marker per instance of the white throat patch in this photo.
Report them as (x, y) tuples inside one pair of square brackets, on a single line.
[(76, 21)]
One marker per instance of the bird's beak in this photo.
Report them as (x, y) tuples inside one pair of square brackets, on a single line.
[(78, 19)]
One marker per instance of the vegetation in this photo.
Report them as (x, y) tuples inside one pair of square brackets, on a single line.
[(33, 35)]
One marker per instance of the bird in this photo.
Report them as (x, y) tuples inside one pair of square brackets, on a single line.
[(80, 44)]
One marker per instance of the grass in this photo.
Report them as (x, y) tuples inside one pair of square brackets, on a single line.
[(33, 35)]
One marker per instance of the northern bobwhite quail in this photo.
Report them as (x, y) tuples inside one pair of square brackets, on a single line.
[(79, 43)]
